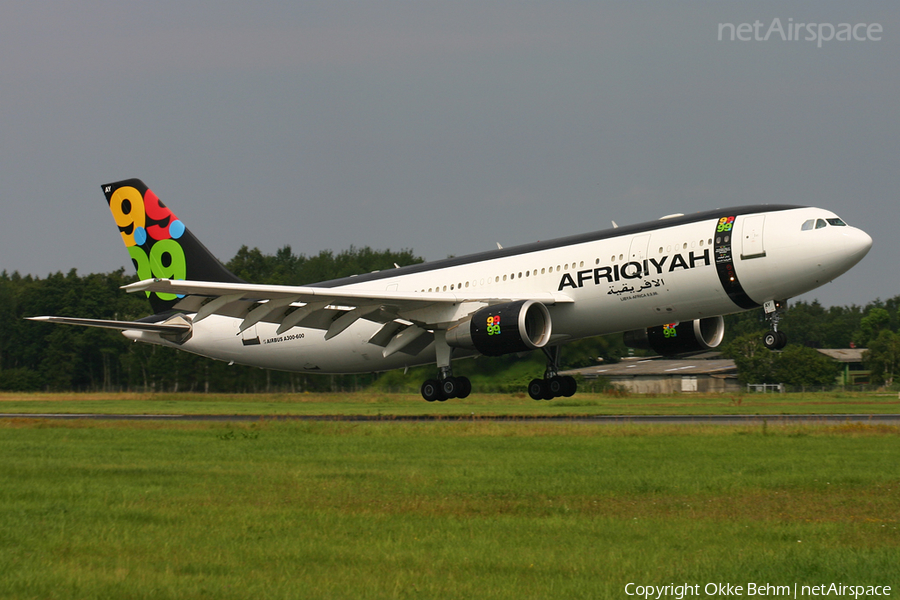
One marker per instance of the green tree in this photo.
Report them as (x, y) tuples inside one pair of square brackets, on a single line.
[(795, 365), (802, 366), (755, 363), (882, 358), (286, 268), (872, 324)]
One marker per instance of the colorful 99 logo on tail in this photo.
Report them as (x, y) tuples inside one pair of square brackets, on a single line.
[(150, 232)]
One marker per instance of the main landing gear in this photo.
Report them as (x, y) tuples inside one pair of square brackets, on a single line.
[(446, 386), (552, 385), (774, 339)]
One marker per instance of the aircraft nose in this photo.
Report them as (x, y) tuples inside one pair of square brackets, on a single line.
[(857, 244)]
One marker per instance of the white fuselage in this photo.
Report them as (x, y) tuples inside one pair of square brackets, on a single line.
[(662, 272)]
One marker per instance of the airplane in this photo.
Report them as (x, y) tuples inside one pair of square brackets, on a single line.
[(665, 284)]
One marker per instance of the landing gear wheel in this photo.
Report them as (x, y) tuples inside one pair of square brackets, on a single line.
[(431, 390), (464, 387), (444, 389), (775, 340), (548, 389), (449, 387), (556, 385), (456, 387), (537, 389), (570, 386)]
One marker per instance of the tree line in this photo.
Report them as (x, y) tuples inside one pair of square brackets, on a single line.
[(43, 356), (39, 356)]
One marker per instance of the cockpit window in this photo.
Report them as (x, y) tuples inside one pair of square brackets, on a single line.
[(837, 222), (807, 225), (820, 223)]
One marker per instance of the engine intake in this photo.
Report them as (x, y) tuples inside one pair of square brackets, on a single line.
[(679, 338), (503, 329)]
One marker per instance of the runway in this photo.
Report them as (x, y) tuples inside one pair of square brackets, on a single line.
[(596, 419)]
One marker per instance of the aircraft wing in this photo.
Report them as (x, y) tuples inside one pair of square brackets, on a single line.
[(330, 309)]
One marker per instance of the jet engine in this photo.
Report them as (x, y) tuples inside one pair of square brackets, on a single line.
[(679, 338), (503, 329)]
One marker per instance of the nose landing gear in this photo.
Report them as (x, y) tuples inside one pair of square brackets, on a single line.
[(774, 339)]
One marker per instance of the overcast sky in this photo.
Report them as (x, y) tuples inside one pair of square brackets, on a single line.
[(444, 127)]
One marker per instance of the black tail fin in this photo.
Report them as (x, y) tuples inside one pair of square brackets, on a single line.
[(160, 246)]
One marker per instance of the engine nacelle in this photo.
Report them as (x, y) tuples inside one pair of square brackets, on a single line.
[(679, 338), (503, 329)]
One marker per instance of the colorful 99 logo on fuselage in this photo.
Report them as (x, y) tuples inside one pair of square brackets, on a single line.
[(150, 232), (725, 224)]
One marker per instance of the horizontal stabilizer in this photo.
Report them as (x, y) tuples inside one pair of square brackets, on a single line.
[(177, 327)]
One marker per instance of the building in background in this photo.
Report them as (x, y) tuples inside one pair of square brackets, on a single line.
[(667, 376)]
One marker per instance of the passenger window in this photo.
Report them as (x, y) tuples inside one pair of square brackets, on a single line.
[(807, 225), (820, 223)]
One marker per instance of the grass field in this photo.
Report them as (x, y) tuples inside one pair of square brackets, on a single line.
[(366, 403), (440, 510)]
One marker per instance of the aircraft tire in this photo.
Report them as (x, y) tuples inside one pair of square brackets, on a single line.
[(782, 340), (570, 386), (556, 385), (465, 387), (450, 387), (431, 390), (537, 389), (771, 339)]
